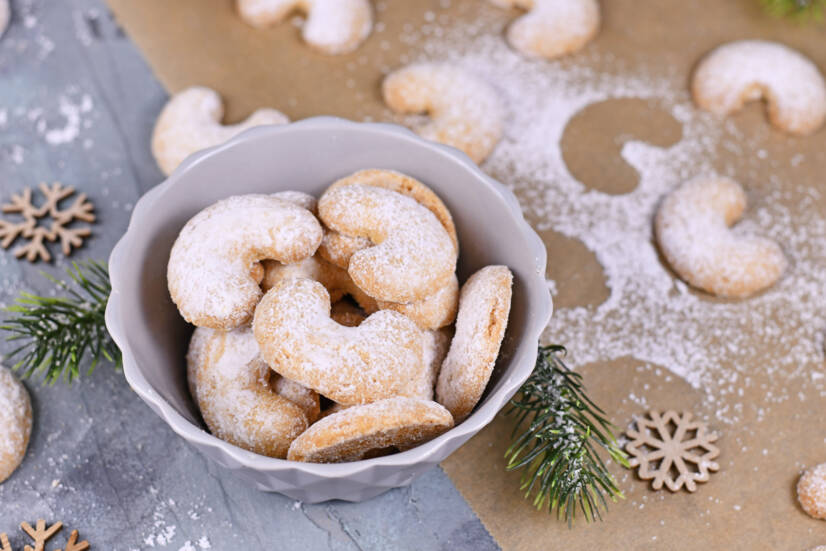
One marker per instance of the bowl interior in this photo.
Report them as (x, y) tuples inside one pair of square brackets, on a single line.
[(308, 158)]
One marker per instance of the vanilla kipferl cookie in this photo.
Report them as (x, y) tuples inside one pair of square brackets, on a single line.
[(15, 423), (811, 492), (484, 305), (552, 28), (211, 272), (233, 390), (746, 70), (380, 358), (692, 230), (336, 280), (406, 185), (365, 431), (432, 312), (332, 26), (412, 255), (436, 345), (191, 121), (465, 111)]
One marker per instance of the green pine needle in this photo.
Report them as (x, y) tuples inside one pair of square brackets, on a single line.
[(558, 450), (804, 10), (57, 334)]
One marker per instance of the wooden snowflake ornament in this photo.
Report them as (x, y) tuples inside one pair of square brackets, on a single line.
[(671, 449), (40, 534), (33, 227)]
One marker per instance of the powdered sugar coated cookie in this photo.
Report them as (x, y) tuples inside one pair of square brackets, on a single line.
[(484, 305), (332, 26), (191, 121), (210, 271), (465, 111), (552, 28), (15, 423), (412, 256), (233, 390), (365, 431), (811, 491), (380, 358), (432, 312), (692, 230), (746, 70)]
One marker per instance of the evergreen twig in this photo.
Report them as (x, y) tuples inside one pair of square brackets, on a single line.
[(57, 334), (796, 9), (558, 448)]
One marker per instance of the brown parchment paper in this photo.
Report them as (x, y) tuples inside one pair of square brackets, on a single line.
[(750, 504)]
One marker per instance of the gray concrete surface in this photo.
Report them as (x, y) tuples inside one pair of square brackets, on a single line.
[(77, 103)]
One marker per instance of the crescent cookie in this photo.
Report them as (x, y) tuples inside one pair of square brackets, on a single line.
[(191, 121), (335, 280), (484, 306), (433, 312), (332, 26), (436, 345), (365, 431), (811, 492), (692, 230), (15, 423), (465, 111), (552, 28), (412, 255), (233, 390), (746, 70), (211, 273), (380, 358)]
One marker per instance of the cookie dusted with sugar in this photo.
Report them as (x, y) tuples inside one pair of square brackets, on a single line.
[(211, 272), (811, 492), (332, 26), (692, 231), (484, 306), (411, 257), (237, 398), (465, 111), (371, 430), (15, 423), (191, 121), (552, 28), (380, 358), (738, 72)]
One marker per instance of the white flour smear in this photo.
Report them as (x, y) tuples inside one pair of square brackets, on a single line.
[(649, 315)]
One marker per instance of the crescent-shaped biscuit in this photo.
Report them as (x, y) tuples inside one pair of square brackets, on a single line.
[(15, 423), (234, 392), (552, 28), (692, 230), (211, 272), (484, 305), (332, 26), (465, 111), (747, 70), (365, 431), (811, 491), (412, 256), (380, 358), (191, 121)]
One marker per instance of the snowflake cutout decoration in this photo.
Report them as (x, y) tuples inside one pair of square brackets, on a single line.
[(672, 449), (30, 227), (40, 534)]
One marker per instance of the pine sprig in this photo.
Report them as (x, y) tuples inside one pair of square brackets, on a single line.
[(558, 449), (57, 334), (796, 9)]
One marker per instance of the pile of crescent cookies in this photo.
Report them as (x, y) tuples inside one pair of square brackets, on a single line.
[(335, 329)]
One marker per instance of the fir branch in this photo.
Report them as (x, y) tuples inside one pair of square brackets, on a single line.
[(804, 10), (558, 449), (57, 334)]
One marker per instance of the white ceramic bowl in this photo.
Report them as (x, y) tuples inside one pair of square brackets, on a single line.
[(308, 156)]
